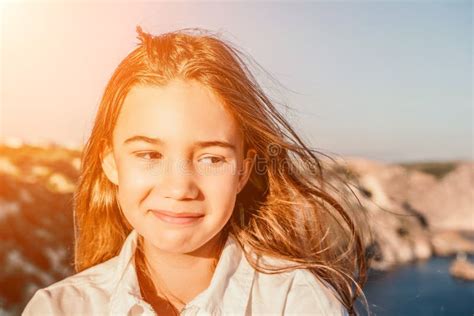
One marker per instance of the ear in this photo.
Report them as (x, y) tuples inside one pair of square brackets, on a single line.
[(247, 167), (109, 166)]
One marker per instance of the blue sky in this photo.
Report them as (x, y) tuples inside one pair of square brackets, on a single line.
[(386, 80)]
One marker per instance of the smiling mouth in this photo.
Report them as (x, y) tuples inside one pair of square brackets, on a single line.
[(177, 218)]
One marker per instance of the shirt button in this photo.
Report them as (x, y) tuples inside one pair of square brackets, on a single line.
[(136, 310)]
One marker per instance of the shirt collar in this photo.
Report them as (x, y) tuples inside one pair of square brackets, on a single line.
[(125, 289), (232, 265)]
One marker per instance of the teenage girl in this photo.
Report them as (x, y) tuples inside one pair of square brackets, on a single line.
[(196, 197)]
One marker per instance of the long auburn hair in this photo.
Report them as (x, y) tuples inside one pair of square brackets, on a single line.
[(285, 210)]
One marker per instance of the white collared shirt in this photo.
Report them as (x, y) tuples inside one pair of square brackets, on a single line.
[(112, 288)]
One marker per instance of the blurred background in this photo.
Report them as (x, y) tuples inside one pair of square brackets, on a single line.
[(384, 87)]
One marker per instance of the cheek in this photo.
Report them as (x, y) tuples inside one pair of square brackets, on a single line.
[(136, 176), (134, 184), (220, 193)]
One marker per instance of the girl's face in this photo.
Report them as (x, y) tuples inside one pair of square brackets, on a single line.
[(176, 150)]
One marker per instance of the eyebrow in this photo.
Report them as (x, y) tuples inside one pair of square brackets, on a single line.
[(199, 144)]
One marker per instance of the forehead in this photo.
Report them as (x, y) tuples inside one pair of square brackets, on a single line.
[(180, 112)]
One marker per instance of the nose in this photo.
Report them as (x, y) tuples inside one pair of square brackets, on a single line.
[(177, 181)]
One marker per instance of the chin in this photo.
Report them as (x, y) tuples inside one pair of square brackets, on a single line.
[(173, 242)]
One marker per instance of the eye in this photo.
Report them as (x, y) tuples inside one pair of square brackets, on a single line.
[(214, 160), (149, 155)]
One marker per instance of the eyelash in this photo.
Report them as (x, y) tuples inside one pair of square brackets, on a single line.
[(141, 155)]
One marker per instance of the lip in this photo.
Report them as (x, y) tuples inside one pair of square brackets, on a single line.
[(177, 214), (177, 218)]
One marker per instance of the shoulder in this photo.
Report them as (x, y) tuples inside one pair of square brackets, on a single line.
[(310, 294), (295, 292), (88, 288)]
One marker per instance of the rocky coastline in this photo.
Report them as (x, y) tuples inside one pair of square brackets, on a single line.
[(414, 211), (461, 268)]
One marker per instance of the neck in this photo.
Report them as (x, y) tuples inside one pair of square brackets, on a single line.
[(169, 271)]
